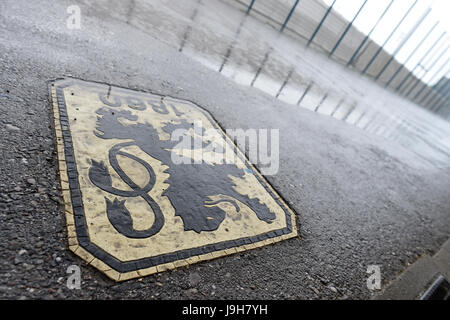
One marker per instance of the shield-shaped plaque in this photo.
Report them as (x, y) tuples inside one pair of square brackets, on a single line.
[(151, 183)]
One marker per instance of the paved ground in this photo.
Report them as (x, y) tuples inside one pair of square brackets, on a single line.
[(360, 199)]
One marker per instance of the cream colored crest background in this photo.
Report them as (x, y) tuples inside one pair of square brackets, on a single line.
[(82, 102)]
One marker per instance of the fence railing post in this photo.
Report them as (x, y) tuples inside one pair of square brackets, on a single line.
[(369, 34), (411, 54), (424, 98), (250, 6), (233, 42), (426, 72), (421, 60), (400, 46), (320, 23), (347, 29), (266, 56), (388, 38), (425, 85), (289, 16)]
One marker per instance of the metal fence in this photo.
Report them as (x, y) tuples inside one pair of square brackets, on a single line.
[(416, 67), (240, 47)]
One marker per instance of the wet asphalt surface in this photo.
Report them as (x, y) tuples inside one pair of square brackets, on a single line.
[(359, 199)]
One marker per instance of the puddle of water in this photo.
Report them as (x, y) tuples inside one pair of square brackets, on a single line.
[(252, 53)]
